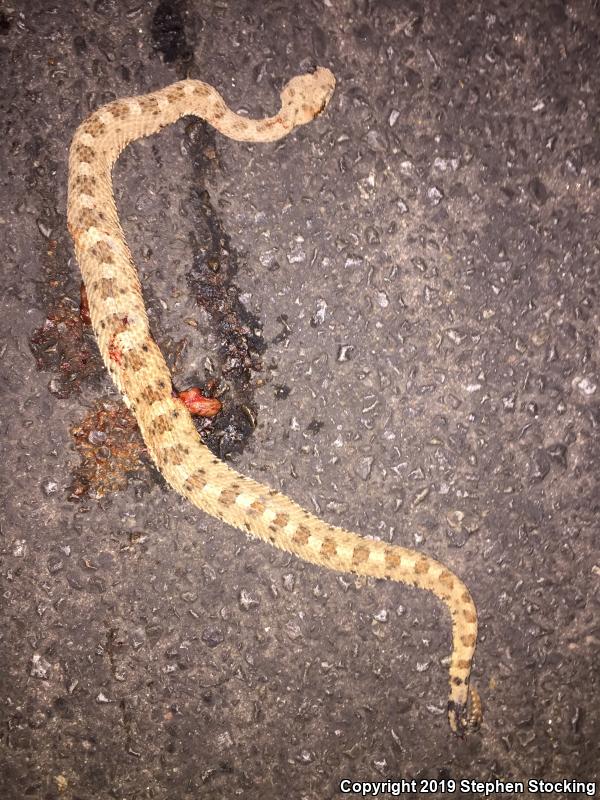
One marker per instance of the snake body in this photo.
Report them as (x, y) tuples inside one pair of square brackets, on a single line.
[(139, 370)]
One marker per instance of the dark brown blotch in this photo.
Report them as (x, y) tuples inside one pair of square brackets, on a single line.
[(218, 110), (227, 497), (102, 251), (106, 287), (85, 153), (422, 566), (115, 323), (118, 110), (159, 425), (153, 394), (86, 184), (94, 126), (87, 218), (175, 93), (360, 554), (301, 536), (148, 103), (196, 482), (171, 455), (447, 579), (328, 548)]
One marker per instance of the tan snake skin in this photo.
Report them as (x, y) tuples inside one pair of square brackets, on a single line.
[(140, 372)]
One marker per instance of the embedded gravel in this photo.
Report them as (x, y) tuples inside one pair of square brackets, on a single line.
[(410, 320)]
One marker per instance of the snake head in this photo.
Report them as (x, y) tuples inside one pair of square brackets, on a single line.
[(306, 96)]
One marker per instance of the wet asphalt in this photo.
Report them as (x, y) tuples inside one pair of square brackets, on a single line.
[(398, 307)]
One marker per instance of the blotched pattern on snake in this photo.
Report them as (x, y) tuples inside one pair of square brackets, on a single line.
[(139, 370)]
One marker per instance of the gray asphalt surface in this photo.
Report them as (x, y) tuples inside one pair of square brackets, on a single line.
[(403, 329)]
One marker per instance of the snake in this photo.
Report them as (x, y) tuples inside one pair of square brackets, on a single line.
[(138, 368)]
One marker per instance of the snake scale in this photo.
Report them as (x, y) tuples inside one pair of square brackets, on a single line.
[(139, 370)]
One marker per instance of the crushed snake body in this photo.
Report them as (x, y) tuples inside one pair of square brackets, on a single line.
[(139, 370)]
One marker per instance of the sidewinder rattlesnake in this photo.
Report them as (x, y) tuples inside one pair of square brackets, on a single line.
[(139, 370)]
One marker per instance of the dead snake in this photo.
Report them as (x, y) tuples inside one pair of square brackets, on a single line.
[(139, 370)]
